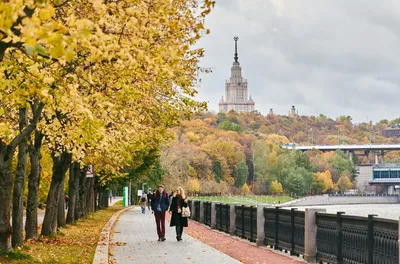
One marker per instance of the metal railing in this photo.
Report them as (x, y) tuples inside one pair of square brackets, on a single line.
[(354, 239), (222, 217), (207, 213), (190, 205), (340, 238), (246, 222), (196, 211), (284, 229)]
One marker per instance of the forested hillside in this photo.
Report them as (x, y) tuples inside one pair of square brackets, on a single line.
[(213, 153)]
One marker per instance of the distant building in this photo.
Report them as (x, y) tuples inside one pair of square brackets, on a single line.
[(392, 132), (379, 178), (293, 111), (236, 94)]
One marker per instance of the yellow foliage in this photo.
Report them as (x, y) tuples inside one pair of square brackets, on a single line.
[(277, 139), (344, 182), (193, 186), (246, 189), (322, 181), (276, 187)]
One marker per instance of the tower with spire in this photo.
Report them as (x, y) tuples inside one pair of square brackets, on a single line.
[(236, 93)]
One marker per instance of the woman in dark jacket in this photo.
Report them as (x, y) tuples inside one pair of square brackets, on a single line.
[(178, 202)]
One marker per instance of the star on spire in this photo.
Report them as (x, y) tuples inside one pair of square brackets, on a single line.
[(236, 38)]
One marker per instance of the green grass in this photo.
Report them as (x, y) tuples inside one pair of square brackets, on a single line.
[(15, 255), (247, 200)]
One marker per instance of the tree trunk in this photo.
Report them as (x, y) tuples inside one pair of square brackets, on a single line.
[(82, 193), (17, 238), (31, 225), (60, 167), (6, 155), (89, 196), (5, 198), (61, 207), (74, 176)]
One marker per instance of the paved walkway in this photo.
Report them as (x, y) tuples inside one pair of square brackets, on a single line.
[(135, 241)]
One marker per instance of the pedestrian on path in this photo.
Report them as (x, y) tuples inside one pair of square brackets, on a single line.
[(179, 201), (149, 198), (66, 200), (170, 197), (159, 205), (143, 203)]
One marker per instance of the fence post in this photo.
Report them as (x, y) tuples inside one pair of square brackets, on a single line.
[(292, 214), (192, 210), (276, 227), (220, 217), (201, 220), (232, 219), (399, 237), (243, 221), (251, 223), (339, 237), (213, 223), (260, 225), (310, 234), (370, 239)]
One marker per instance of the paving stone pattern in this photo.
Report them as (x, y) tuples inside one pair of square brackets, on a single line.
[(139, 233)]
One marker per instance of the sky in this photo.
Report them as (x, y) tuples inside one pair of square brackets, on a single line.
[(331, 57)]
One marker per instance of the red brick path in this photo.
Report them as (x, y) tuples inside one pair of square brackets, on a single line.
[(234, 247)]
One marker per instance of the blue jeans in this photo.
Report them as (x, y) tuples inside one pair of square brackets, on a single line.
[(143, 210)]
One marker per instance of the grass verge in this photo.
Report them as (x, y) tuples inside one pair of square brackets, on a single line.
[(72, 244)]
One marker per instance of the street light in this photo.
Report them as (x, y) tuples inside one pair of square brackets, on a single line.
[(145, 183)]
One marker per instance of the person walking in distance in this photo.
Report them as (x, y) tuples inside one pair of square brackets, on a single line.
[(179, 201), (160, 204), (149, 198), (143, 203)]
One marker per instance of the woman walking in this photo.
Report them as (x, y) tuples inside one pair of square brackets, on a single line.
[(179, 201)]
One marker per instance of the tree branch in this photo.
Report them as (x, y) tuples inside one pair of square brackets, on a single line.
[(27, 130)]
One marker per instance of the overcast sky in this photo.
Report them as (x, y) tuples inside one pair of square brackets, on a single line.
[(331, 57)]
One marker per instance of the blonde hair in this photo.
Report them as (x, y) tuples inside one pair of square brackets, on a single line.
[(182, 191)]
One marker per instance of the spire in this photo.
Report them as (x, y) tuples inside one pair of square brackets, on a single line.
[(236, 53)]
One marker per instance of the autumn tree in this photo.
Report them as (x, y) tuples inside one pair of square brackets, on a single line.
[(276, 187), (322, 181), (344, 182), (67, 51), (241, 174)]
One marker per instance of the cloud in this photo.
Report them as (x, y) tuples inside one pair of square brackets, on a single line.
[(335, 57)]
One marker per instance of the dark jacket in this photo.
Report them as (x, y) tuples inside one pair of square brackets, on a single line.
[(164, 203), (149, 197), (176, 217)]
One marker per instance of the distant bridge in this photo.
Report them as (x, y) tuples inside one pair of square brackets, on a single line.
[(377, 149), (373, 148)]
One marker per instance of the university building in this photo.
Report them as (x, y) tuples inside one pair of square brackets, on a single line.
[(236, 93)]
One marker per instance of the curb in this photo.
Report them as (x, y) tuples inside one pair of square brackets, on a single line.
[(101, 254)]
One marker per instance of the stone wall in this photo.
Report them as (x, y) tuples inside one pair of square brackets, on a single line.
[(342, 200)]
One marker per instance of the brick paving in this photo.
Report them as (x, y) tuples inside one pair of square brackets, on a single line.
[(236, 248)]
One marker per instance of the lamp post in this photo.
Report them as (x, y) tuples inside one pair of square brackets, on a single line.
[(143, 184)]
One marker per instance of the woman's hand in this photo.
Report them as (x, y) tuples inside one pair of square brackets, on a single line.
[(186, 200)]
